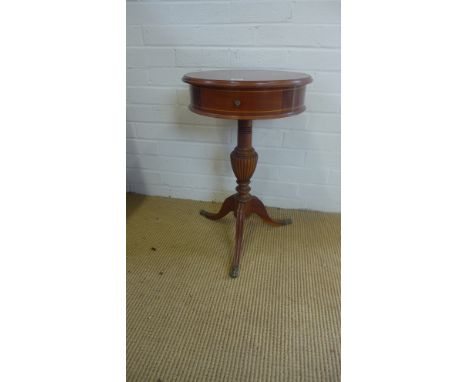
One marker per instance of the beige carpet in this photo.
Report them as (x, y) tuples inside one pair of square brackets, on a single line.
[(187, 320)]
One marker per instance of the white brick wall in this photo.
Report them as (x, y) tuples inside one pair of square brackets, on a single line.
[(173, 152)]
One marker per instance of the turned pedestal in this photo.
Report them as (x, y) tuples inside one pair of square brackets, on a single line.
[(242, 204), (245, 95)]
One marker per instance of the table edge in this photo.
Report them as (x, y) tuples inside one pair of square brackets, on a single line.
[(246, 84)]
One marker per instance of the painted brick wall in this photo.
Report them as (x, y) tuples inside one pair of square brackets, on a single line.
[(173, 152)]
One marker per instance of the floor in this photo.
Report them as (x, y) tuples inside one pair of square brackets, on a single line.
[(187, 320)]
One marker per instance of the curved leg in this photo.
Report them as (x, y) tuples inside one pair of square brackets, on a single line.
[(259, 208), (239, 234), (228, 205)]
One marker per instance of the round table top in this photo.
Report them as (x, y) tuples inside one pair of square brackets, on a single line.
[(242, 79)]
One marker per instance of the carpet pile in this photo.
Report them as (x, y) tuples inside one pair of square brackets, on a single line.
[(187, 320)]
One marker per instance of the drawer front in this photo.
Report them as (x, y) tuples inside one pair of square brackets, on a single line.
[(247, 104)]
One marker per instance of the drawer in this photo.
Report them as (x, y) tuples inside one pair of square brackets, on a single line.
[(247, 103)]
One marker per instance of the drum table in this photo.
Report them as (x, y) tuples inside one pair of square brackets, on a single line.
[(245, 95)]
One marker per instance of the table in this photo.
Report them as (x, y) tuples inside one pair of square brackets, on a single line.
[(245, 95)]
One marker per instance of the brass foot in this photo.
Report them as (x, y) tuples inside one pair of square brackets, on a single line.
[(234, 272), (205, 213), (228, 205)]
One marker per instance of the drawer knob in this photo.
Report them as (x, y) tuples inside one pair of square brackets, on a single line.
[(237, 102)]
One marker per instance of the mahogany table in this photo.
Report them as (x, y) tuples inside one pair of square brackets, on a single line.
[(245, 95)]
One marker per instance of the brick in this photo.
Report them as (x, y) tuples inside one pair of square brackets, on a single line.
[(199, 13), (334, 177), (146, 13), (218, 183), (316, 59), (195, 194), (266, 172), (143, 113), (163, 131), (319, 191), (279, 202), (141, 147), (299, 35), (264, 187), (264, 137), (183, 96), (161, 163), (323, 204), (137, 77), (298, 121), (210, 167), (311, 141), (131, 132), (320, 122), (134, 36), (186, 165), (141, 176), (200, 35), (323, 102), (325, 82), (258, 58), (319, 12), (168, 35), (195, 150), (133, 160), (320, 197), (203, 57), (303, 175), (226, 35), (281, 156), (171, 114), (323, 159), (150, 95), (168, 76), (260, 11), (149, 57)]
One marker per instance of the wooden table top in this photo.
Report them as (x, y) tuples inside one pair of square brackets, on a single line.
[(247, 79)]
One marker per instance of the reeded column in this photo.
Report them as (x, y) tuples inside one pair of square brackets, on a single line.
[(244, 159)]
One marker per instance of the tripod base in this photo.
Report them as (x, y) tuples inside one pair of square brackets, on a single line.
[(242, 208)]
